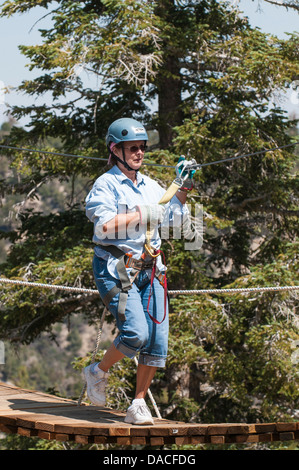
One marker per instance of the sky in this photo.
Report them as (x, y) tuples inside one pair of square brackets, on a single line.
[(23, 29)]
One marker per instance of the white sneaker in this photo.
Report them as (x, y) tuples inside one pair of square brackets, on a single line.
[(96, 381), (139, 413)]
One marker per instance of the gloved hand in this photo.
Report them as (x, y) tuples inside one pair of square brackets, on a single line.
[(151, 213), (188, 183)]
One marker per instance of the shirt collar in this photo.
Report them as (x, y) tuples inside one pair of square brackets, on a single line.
[(122, 178)]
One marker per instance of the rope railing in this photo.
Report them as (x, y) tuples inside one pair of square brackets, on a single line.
[(170, 292)]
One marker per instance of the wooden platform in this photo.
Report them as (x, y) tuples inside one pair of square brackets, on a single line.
[(30, 413)]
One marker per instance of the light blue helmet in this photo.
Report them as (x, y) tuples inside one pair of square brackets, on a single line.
[(124, 130)]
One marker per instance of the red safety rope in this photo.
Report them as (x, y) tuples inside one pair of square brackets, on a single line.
[(151, 289)]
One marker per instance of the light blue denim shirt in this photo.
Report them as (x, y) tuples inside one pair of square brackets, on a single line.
[(114, 193)]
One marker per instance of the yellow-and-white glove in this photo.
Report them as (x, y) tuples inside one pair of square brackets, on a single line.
[(151, 213)]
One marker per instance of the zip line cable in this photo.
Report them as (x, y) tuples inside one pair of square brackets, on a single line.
[(23, 149), (59, 154), (199, 165), (246, 155)]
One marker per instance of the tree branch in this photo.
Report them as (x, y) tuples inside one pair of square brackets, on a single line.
[(280, 3), (68, 305)]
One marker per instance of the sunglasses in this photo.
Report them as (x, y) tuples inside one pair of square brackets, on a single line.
[(135, 148)]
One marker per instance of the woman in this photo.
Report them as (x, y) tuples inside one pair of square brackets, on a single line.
[(121, 204)]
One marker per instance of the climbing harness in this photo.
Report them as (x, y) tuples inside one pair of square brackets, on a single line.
[(126, 260), (125, 280)]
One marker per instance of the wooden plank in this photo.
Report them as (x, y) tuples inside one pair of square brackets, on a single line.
[(178, 431), (29, 420), (87, 428), (119, 431), (265, 437), (12, 390), (244, 438), (156, 441), (49, 436), (8, 429), (240, 428), (83, 439), (140, 431), (217, 429), (24, 404), (168, 429), (34, 396), (63, 437), (286, 436), (223, 429), (215, 439), (10, 419), (198, 430), (135, 441), (198, 440), (26, 432), (281, 427), (123, 441), (159, 430), (265, 427), (182, 440), (100, 439), (67, 423), (80, 429), (7, 392)]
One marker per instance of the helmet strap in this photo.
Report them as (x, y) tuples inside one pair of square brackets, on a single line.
[(124, 159), (123, 162)]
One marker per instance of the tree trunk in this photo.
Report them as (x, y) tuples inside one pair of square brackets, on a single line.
[(169, 90), (169, 83)]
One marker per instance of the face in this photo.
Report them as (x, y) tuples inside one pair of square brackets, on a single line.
[(134, 152)]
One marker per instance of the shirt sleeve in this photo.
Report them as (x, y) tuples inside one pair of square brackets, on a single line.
[(175, 212), (101, 206)]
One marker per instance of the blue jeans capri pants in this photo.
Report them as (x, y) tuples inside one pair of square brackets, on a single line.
[(138, 333)]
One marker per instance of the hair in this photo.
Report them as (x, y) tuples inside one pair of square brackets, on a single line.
[(112, 160)]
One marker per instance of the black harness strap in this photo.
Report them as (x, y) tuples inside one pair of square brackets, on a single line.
[(125, 281)]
